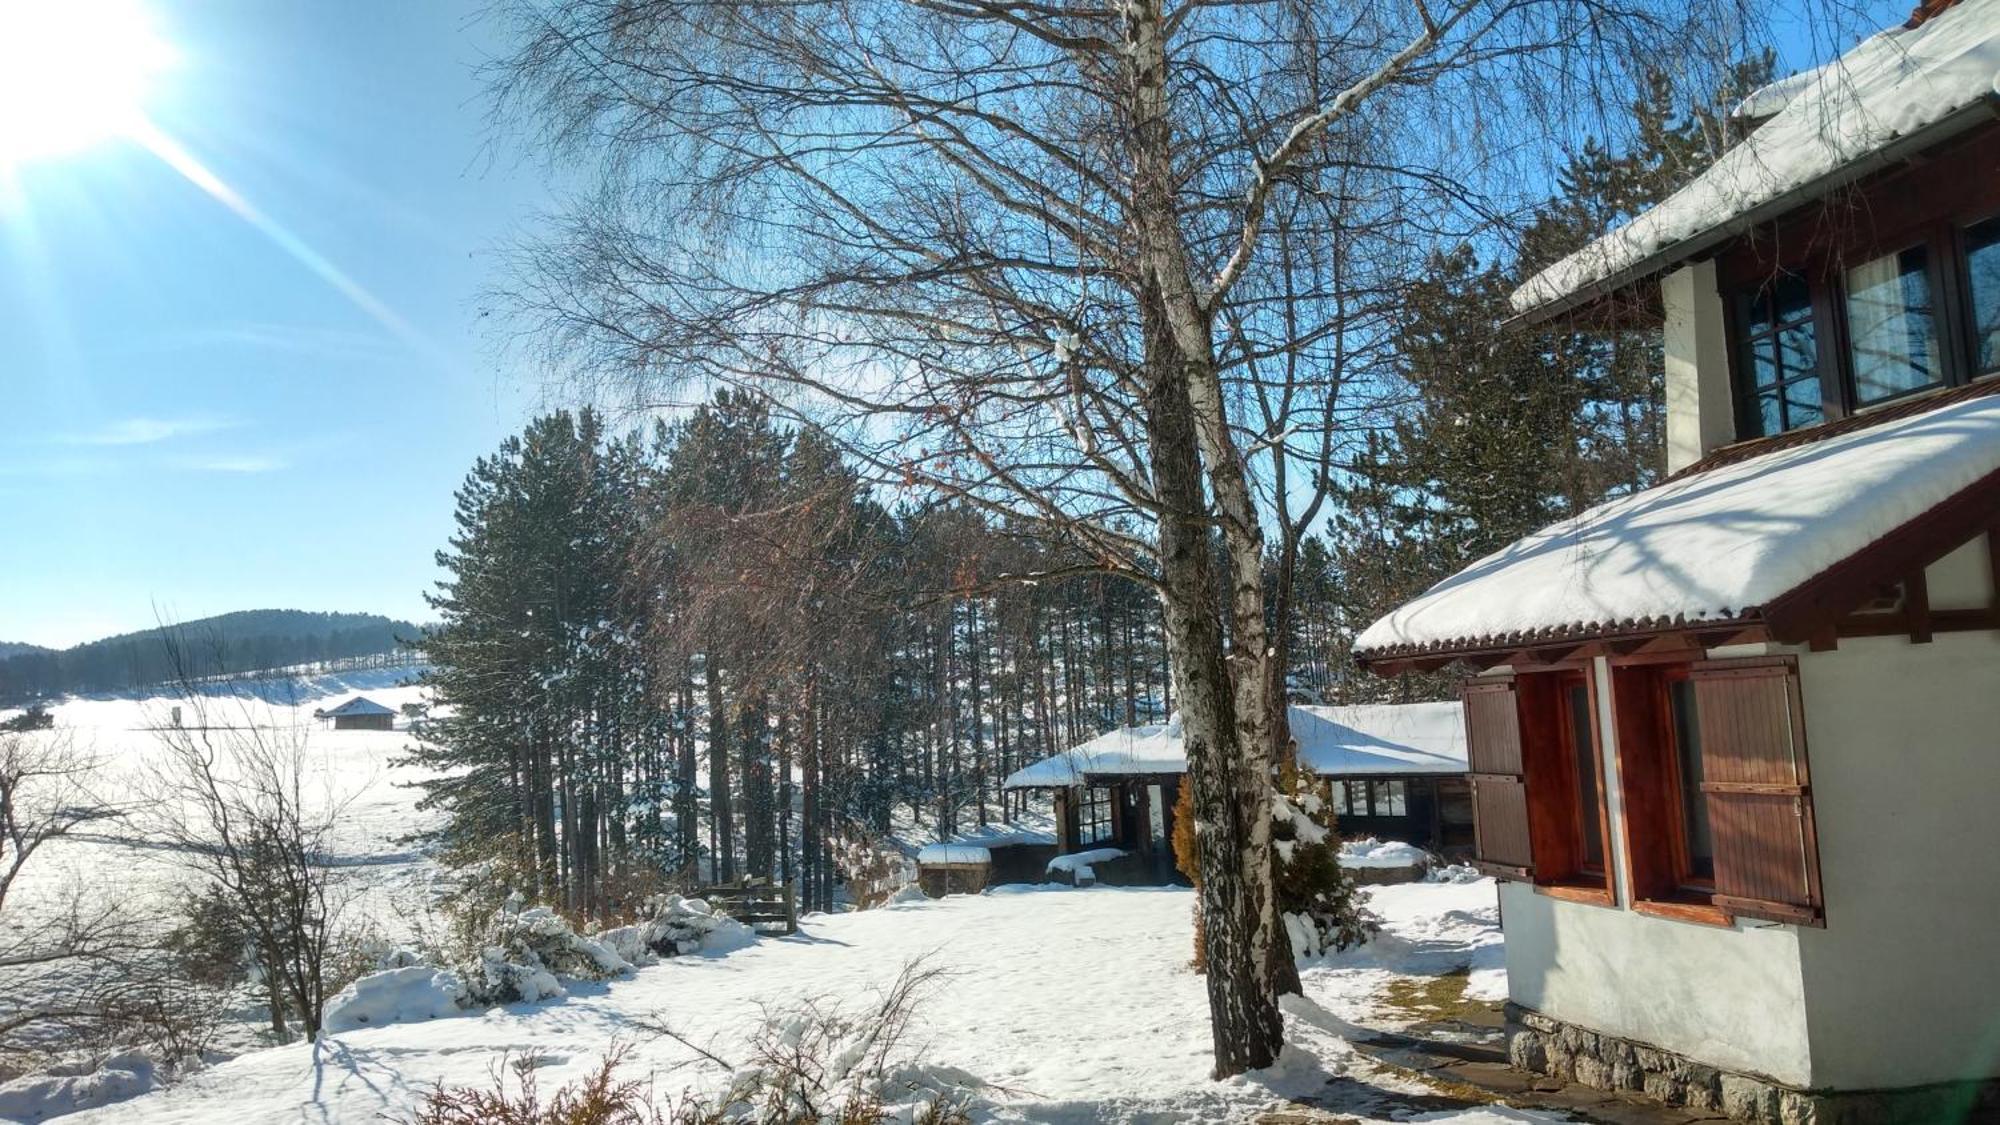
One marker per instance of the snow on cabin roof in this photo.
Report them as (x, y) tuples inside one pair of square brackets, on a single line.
[(1421, 738), (1827, 122), (1710, 545), (359, 705)]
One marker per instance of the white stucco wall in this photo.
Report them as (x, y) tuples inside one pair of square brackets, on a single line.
[(1700, 416), (1727, 997), (1962, 579), (1903, 984)]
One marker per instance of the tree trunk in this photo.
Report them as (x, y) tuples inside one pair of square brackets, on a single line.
[(1225, 709), (718, 775), (1223, 769)]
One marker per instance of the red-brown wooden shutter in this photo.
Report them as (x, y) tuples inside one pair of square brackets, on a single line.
[(1759, 791), (1499, 794)]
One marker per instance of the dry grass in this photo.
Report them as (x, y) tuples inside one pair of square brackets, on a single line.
[(1438, 999)]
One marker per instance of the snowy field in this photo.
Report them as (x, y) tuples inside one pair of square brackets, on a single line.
[(1077, 1003), (390, 884), (1062, 1005)]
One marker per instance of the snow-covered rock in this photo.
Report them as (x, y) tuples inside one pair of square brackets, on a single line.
[(407, 994), (77, 1083)]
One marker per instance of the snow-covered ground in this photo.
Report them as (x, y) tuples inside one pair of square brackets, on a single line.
[(1078, 1004), (1070, 1005), (122, 860)]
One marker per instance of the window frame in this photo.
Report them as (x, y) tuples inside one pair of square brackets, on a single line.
[(1086, 809), (1942, 237), (1379, 792), (1686, 879), (1555, 793)]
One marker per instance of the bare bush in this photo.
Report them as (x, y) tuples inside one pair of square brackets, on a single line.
[(811, 1064), (55, 965), (242, 807)]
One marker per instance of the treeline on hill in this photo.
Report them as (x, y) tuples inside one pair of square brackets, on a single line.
[(711, 643), (248, 641)]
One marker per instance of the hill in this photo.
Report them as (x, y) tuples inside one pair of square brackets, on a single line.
[(15, 648), (230, 643)]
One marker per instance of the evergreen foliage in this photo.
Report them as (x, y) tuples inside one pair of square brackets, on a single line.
[(707, 652)]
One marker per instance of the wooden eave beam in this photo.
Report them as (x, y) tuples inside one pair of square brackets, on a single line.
[(1820, 602), (1917, 606)]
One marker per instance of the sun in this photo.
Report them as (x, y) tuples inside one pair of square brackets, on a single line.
[(73, 74)]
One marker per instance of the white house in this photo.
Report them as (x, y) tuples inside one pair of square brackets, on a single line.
[(1735, 740), (1394, 771)]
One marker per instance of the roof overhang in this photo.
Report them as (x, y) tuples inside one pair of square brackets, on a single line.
[(1809, 613), (1706, 244)]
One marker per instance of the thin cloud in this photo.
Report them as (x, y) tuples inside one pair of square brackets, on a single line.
[(148, 431)]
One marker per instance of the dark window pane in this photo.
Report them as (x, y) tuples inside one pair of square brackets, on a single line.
[(1891, 329), (1982, 259), (1094, 820), (1588, 822), (1792, 298), (1694, 803), (1798, 351), (1779, 349), (1770, 417), (1764, 371)]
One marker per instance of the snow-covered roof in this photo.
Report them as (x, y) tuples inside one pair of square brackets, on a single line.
[(1823, 125), (953, 853), (1385, 738), (1709, 545), (359, 705)]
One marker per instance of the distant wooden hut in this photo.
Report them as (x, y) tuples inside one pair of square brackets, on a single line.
[(1393, 771), (361, 713)]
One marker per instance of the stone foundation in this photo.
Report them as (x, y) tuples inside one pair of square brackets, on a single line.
[(1541, 1045)]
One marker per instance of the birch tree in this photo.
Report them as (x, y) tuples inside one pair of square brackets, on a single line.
[(1059, 261)]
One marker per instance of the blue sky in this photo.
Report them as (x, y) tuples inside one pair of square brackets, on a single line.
[(194, 420), (254, 380)]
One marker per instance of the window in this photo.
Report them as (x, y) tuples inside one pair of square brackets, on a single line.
[(1582, 752), (1717, 813), (1538, 806), (1779, 363), (1094, 816), (1696, 844), (1854, 326), (1356, 797), (1391, 797), (1892, 336), (1982, 273)]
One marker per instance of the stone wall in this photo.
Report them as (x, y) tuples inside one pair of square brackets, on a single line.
[(1541, 1045)]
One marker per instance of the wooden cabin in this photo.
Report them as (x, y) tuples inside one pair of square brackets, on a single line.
[(1393, 771), (361, 713), (1733, 737)]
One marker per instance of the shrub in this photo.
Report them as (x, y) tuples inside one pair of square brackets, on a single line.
[(1316, 899), (600, 1099), (529, 952), (808, 1065)]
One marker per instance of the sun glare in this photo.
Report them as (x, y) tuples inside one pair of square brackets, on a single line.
[(73, 73)]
